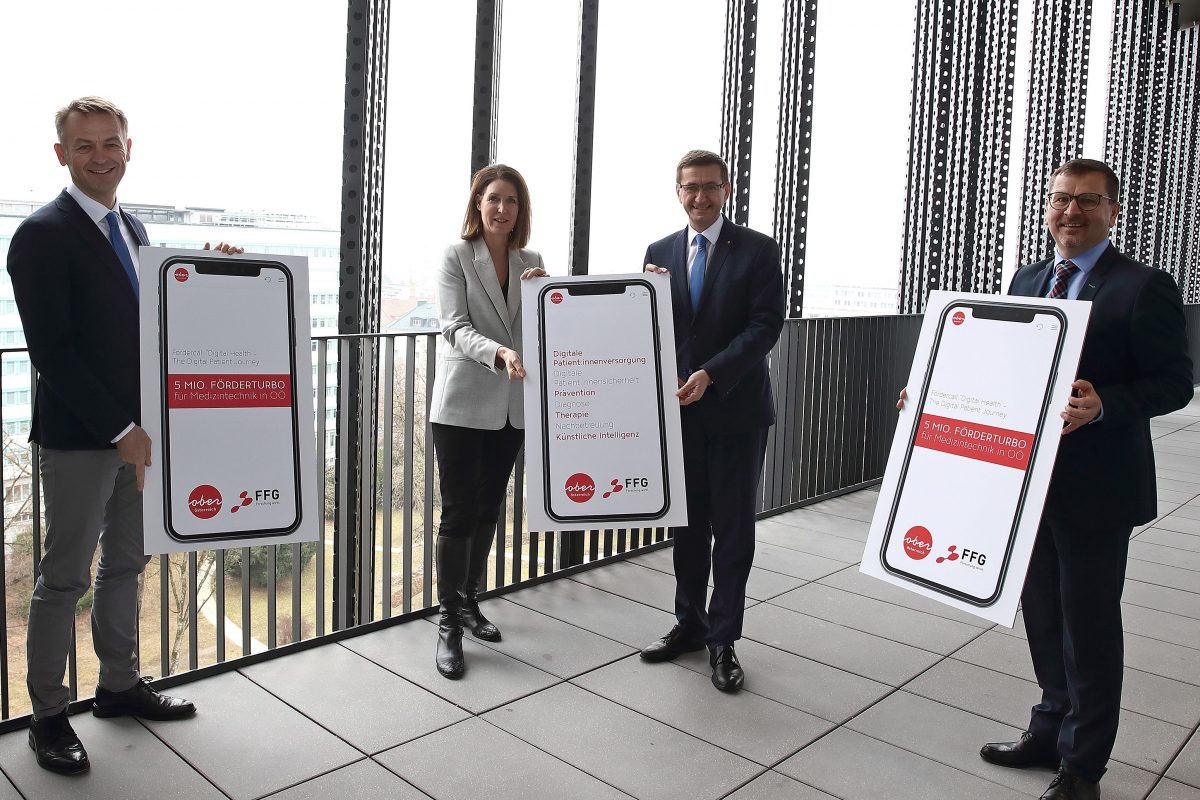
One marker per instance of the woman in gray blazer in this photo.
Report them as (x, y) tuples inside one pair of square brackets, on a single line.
[(477, 409)]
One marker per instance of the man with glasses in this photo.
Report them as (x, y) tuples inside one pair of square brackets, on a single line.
[(727, 297), (1135, 366)]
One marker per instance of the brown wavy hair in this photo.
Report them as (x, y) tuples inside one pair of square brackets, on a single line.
[(473, 221)]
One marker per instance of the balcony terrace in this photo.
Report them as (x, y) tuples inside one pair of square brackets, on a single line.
[(854, 690)]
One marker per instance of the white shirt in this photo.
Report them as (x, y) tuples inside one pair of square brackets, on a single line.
[(97, 212), (712, 234)]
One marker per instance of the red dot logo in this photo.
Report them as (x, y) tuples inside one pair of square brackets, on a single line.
[(181, 274), (204, 501), (556, 298), (917, 542), (580, 487), (959, 318)]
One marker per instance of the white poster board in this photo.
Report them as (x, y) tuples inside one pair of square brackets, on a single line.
[(971, 460), (226, 370), (603, 447)]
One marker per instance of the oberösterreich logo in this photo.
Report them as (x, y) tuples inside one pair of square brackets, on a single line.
[(556, 298), (580, 487), (204, 501), (917, 542), (959, 318), (181, 274)]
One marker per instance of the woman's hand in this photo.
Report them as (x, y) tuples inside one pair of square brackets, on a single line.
[(511, 361), (534, 272)]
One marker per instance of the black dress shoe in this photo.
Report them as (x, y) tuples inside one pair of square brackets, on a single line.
[(1028, 752), (141, 700), (1067, 786), (57, 747), (727, 671), (671, 646)]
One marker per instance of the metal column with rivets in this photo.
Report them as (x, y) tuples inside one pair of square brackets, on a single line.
[(737, 103), (794, 159), (361, 268), (958, 162)]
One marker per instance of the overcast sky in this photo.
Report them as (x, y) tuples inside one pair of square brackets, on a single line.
[(238, 104)]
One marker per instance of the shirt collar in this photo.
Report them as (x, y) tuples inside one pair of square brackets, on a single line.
[(712, 233), (1086, 261), (95, 211)]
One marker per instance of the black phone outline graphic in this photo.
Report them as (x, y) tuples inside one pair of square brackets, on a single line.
[(615, 287), (246, 268), (990, 310)]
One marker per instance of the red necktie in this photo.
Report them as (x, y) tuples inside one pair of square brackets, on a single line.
[(1062, 275)]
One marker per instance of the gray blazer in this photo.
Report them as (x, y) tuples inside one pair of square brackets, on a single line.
[(469, 391)]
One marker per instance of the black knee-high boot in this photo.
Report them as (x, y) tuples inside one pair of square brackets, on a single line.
[(452, 557), (481, 547)]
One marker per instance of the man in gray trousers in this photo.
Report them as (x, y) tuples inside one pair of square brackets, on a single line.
[(74, 272)]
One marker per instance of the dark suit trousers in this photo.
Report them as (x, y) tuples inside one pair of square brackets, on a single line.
[(722, 474), (473, 465), (1072, 609)]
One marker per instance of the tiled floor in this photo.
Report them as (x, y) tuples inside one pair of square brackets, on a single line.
[(855, 689)]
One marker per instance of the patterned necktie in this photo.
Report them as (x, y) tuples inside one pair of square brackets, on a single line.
[(118, 244), (1062, 276), (696, 279)]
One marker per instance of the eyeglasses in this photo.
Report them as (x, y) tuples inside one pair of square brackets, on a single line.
[(1086, 201), (696, 188)]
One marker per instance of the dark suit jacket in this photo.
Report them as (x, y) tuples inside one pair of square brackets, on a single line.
[(1136, 355), (737, 323), (80, 316)]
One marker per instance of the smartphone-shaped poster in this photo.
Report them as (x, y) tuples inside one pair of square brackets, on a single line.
[(966, 472), (603, 432), (230, 431)]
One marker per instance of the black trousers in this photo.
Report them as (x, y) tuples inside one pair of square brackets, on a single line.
[(1072, 608), (474, 466), (722, 474)]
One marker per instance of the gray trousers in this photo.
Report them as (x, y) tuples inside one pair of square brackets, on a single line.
[(91, 496)]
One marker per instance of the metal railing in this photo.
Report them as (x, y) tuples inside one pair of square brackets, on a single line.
[(835, 383)]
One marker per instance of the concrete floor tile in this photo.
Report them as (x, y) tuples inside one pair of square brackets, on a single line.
[(128, 762), (1162, 658), (491, 679), (1140, 550), (819, 689), (816, 518), (353, 697), (861, 653), (851, 765), (475, 759), (1173, 790), (1179, 524), (796, 563), (826, 545), (249, 742), (1161, 698), (1180, 541), (764, 584), (981, 691), (362, 780), (627, 750), (1162, 625), (852, 579), (869, 615), (998, 651), (750, 725), (660, 559), (776, 786), (1148, 743), (633, 582), (1169, 575), (549, 644), (631, 623), (1186, 767)]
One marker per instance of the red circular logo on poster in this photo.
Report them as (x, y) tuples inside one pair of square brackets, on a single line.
[(580, 487), (204, 501), (917, 542), (556, 298), (959, 318), (181, 274)]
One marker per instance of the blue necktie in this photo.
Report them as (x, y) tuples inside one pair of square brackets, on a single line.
[(696, 279), (118, 243)]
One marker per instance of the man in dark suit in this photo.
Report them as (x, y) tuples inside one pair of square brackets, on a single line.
[(1134, 366), (74, 272), (727, 294)]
